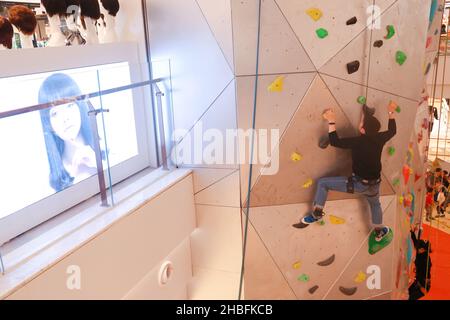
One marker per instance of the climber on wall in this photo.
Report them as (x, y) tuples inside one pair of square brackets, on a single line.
[(422, 282), (366, 178)]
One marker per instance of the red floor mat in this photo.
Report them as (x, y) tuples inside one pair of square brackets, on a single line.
[(440, 257)]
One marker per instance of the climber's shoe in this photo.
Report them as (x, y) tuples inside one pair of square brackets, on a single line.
[(324, 142), (381, 234), (309, 219), (379, 240)]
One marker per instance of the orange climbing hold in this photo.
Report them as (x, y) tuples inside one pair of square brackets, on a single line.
[(406, 173)]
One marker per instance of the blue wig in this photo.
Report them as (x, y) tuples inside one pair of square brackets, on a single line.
[(56, 87)]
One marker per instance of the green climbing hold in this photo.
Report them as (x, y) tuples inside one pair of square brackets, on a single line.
[(396, 182), (362, 100), (390, 32), (398, 109), (375, 246), (391, 151), (401, 57), (322, 33), (321, 222), (303, 278)]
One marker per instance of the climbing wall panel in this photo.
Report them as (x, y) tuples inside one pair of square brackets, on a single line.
[(314, 256), (302, 138), (335, 18), (280, 50), (386, 71), (274, 110), (266, 281), (355, 275), (358, 50)]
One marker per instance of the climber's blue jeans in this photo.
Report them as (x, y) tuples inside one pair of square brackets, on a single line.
[(371, 193)]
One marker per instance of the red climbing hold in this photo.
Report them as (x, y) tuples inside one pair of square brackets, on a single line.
[(429, 41), (406, 173)]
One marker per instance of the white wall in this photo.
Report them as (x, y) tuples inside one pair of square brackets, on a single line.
[(196, 37), (123, 261)]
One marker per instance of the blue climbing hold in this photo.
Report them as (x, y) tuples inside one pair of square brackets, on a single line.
[(433, 9)]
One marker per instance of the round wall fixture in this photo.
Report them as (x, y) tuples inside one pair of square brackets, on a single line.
[(165, 273)]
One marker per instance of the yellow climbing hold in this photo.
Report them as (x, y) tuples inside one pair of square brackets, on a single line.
[(361, 277), (297, 265), (314, 13), (401, 199), (336, 220), (308, 183), (277, 85), (296, 157)]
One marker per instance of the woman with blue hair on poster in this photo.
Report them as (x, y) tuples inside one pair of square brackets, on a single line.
[(67, 133)]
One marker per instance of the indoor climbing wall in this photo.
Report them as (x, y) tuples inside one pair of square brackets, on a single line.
[(410, 186), (311, 55)]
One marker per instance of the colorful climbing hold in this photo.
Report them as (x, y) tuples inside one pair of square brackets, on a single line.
[(322, 33), (419, 137), (336, 220), (401, 199), (398, 109), (308, 183), (361, 277), (314, 13), (303, 278), (376, 246), (417, 177), (327, 262), (407, 201), (400, 57), (296, 157), (353, 66), (433, 9), (390, 32), (297, 265), (391, 151), (378, 43), (429, 41), (362, 100), (352, 21), (313, 289), (277, 85), (396, 182), (322, 222), (348, 291), (406, 173), (427, 70)]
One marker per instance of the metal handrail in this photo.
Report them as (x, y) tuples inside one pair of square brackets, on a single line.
[(83, 97)]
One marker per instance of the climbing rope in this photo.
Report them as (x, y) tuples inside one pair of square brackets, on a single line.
[(255, 100), (370, 51)]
